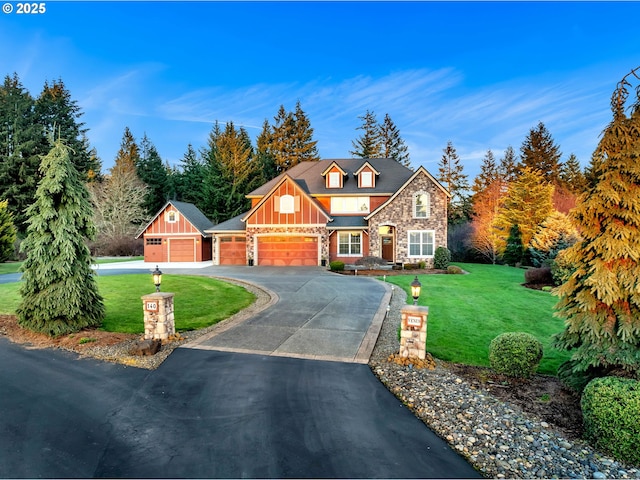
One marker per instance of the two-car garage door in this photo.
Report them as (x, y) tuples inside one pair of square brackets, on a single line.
[(288, 250)]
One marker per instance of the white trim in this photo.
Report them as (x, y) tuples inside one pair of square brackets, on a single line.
[(349, 232), (414, 204)]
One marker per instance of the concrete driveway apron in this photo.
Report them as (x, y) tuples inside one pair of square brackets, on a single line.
[(318, 315)]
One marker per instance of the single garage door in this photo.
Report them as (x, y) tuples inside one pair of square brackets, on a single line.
[(288, 251), (182, 250), (233, 250)]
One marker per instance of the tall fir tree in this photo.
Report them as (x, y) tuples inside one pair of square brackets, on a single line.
[(572, 177), (451, 175), (190, 182), (488, 173), (539, 152), (22, 143), (7, 232), (527, 203), (393, 145), (60, 116), (291, 139), (369, 144), (599, 302), (153, 173), (59, 292), (514, 250), (264, 157), (508, 166)]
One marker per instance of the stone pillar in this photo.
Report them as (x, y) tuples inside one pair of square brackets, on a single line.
[(159, 323), (413, 331)]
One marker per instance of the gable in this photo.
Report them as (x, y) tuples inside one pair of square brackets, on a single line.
[(177, 218), (286, 204)]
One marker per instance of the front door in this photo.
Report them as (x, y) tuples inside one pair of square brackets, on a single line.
[(387, 247)]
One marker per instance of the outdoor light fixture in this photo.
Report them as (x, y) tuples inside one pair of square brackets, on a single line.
[(415, 290), (157, 278)]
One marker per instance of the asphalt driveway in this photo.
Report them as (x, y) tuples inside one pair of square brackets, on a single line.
[(211, 412)]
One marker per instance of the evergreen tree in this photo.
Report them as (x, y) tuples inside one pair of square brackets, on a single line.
[(304, 146), (59, 293), (539, 152), (451, 175), (571, 175), (60, 117), (153, 173), (369, 144), (22, 142), (128, 155), (264, 158), (291, 139), (600, 302), (190, 183), (508, 168), (7, 232), (514, 251), (393, 145), (488, 173), (528, 201), (554, 234)]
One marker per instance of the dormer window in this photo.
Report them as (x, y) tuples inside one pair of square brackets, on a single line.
[(334, 180), (366, 179), (366, 176)]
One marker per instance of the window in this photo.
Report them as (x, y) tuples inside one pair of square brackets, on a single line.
[(421, 243), (172, 216), (153, 241), (421, 205), (334, 179), (349, 244), (349, 204), (366, 180), (286, 204)]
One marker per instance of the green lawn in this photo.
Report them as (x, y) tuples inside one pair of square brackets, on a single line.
[(13, 267), (199, 301), (466, 312)]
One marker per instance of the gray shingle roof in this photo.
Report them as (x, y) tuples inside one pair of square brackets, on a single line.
[(234, 224), (347, 222), (309, 176), (193, 214)]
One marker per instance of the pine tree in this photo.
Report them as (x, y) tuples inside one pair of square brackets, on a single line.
[(393, 145), (450, 174), (488, 173), (59, 293), (60, 117), (571, 175), (539, 152), (291, 139), (7, 232), (514, 251), (153, 173), (527, 203), (128, 155), (508, 168), (369, 144), (600, 302), (190, 181), (264, 157), (554, 234), (304, 146), (22, 142)]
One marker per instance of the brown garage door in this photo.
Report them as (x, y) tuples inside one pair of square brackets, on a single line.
[(288, 251), (182, 250), (233, 250)]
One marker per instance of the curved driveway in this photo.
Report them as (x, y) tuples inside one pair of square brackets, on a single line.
[(223, 414)]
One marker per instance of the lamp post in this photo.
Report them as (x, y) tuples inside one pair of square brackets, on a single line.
[(415, 290), (157, 278)]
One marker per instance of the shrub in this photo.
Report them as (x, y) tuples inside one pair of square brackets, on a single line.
[(611, 415), (371, 262), (515, 354), (336, 266), (561, 269), (538, 276), (441, 258), (454, 270)]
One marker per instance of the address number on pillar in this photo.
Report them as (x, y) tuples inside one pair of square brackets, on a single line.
[(151, 306), (413, 321)]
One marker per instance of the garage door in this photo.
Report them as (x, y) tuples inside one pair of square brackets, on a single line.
[(288, 251), (233, 250), (182, 250)]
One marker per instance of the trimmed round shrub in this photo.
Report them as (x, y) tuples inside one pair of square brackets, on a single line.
[(611, 416), (515, 354), (538, 276), (441, 258), (454, 270), (336, 266)]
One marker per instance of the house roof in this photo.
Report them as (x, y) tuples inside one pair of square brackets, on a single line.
[(234, 224), (339, 222), (308, 175), (188, 211)]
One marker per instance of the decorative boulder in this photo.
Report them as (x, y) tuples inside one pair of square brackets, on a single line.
[(145, 348)]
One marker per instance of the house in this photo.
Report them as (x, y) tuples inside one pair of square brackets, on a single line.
[(338, 210), (177, 233)]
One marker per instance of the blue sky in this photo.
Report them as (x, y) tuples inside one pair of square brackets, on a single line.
[(478, 74)]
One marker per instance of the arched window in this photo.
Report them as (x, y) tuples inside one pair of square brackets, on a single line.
[(421, 205), (287, 204)]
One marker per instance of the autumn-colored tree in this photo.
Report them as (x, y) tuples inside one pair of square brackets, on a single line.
[(526, 204), (600, 302), (486, 205)]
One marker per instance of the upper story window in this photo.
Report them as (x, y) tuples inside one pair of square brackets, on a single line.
[(334, 180), (421, 205), (350, 205), (287, 204), (172, 216), (366, 179)]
